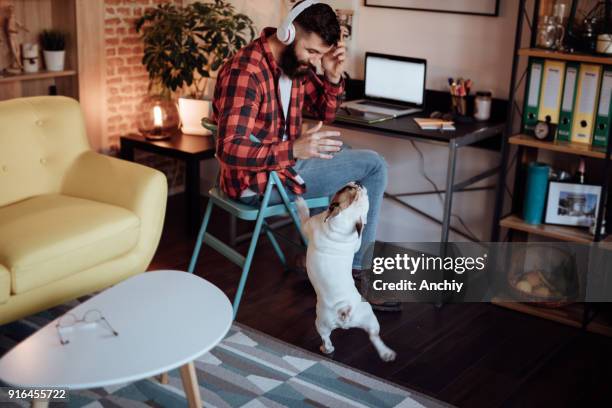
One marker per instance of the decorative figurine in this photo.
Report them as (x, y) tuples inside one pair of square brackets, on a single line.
[(11, 29)]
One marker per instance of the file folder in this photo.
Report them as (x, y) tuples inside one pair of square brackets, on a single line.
[(564, 131), (551, 92), (532, 96), (604, 111), (586, 100)]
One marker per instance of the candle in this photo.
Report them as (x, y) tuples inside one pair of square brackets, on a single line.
[(157, 117)]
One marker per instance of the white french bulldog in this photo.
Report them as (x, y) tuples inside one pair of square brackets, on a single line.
[(333, 238)]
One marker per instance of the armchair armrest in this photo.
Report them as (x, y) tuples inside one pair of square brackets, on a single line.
[(138, 188)]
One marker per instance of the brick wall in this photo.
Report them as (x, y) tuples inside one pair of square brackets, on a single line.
[(127, 80)]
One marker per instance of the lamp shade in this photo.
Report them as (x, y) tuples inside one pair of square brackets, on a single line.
[(158, 117)]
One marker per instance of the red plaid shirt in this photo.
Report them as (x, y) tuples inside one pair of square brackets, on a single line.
[(247, 101)]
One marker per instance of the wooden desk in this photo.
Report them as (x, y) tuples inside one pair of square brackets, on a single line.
[(190, 149)]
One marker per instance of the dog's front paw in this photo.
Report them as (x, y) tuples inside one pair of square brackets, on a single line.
[(327, 350), (388, 355)]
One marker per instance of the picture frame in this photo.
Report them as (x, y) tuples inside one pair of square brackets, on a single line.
[(572, 204), (488, 8)]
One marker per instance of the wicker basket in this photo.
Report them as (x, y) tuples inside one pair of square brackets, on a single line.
[(544, 275)]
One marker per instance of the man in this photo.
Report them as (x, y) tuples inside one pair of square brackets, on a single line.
[(262, 91)]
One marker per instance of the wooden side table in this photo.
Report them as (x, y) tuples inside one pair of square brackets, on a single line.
[(188, 148)]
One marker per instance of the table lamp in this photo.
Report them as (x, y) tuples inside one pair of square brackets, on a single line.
[(158, 118)]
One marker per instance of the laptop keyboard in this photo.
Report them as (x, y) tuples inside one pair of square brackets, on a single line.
[(384, 105)]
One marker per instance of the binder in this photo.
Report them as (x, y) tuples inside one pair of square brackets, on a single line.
[(551, 91), (604, 111), (532, 96), (586, 99), (564, 131)]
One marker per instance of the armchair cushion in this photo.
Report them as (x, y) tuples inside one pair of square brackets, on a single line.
[(51, 236)]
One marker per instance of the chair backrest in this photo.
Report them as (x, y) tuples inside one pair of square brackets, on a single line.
[(210, 125), (40, 137)]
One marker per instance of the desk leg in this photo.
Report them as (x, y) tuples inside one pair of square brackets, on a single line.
[(38, 403), (448, 195), (192, 195), (126, 152), (190, 385)]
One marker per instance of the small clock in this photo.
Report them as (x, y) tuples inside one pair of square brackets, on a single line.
[(545, 131)]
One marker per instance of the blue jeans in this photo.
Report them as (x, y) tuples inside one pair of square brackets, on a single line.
[(323, 177)]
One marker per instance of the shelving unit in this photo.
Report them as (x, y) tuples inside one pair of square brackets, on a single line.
[(570, 315), (559, 232), (38, 15), (557, 146), (564, 56), (527, 148), (37, 75), (83, 77)]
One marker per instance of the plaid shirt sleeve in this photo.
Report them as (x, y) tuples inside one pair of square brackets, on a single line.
[(238, 107), (321, 97)]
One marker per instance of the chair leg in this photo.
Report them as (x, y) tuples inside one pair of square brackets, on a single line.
[(233, 229), (274, 242), (287, 202), (198, 245), (252, 246)]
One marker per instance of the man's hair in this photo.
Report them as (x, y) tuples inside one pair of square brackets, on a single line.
[(321, 20)]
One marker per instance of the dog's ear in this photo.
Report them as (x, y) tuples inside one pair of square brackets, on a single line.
[(333, 210), (359, 227)]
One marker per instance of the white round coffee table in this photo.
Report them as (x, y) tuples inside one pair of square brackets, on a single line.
[(163, 320)]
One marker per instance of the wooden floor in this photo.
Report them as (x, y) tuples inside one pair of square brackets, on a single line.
[(469, 355)]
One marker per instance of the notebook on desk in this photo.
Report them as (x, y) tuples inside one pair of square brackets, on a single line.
[(394, 85), (435, 124)]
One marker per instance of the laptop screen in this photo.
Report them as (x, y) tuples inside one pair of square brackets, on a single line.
[(396, 79)]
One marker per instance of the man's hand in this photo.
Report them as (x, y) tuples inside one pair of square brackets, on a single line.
[(333, 63), (314, 143)]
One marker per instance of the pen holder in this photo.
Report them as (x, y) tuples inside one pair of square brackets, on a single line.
[(459, 105), (459, 109)]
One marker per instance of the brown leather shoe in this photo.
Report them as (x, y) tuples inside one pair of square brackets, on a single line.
[(386, 306), (377, 305)]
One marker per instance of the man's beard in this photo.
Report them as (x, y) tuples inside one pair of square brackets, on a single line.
[(291, 66)]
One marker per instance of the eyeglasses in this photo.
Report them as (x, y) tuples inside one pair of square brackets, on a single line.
[(70, 321)]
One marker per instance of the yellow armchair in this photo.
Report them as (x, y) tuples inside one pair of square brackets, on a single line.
[(71, 221)]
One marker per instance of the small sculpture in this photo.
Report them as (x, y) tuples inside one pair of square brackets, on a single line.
[(11, 29)]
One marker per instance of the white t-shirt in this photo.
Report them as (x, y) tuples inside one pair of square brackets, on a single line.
[(284, 85)]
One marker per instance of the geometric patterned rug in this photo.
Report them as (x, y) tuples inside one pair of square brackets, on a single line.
[(247, 369)]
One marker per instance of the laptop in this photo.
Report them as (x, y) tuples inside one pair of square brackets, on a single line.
[(394, 85)]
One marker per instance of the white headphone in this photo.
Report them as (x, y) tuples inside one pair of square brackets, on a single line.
[(286, 31)]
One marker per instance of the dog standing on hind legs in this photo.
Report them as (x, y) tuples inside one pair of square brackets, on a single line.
[(333, 238)]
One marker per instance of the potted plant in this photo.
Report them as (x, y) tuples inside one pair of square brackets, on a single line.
[(54, 49), (185, 46)]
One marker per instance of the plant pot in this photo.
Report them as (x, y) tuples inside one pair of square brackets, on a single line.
[(191, 112), (54, 60)]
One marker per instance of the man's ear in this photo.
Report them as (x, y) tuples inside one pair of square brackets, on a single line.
[(333, 210), (359, 227)]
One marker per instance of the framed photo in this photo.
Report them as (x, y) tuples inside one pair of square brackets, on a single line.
[(572, 204), (476, 7)]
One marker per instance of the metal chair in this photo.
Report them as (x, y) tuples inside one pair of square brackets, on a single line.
[(249, 213)]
